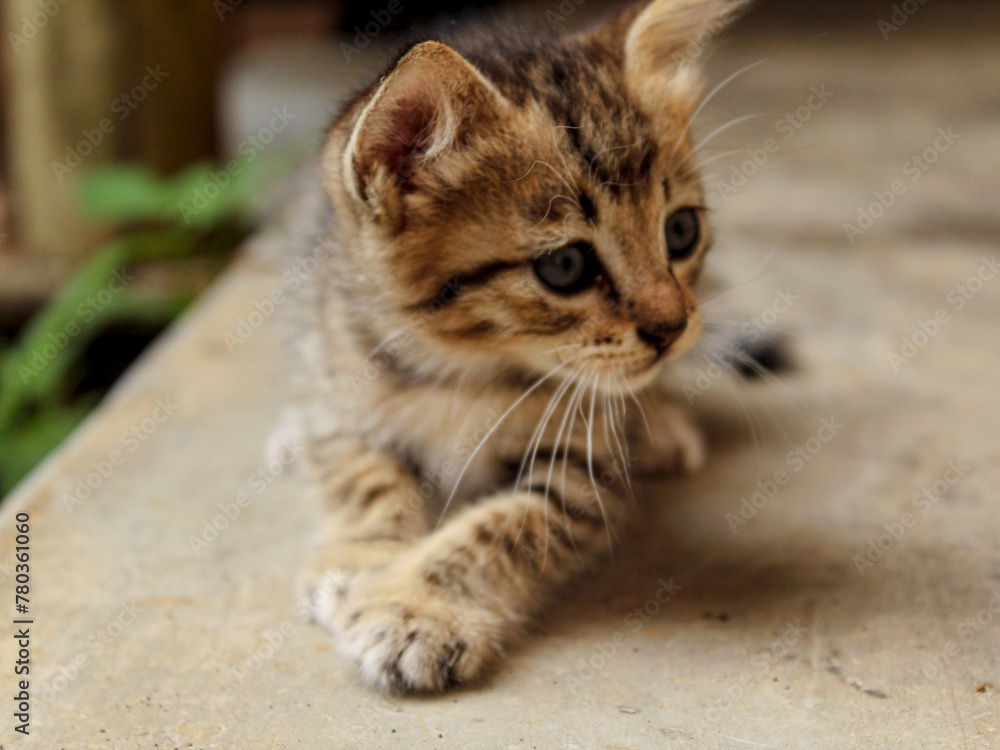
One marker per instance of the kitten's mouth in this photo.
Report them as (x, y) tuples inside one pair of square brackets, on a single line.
[(650, 366), (638, 367), (644, 370), (636, 370)]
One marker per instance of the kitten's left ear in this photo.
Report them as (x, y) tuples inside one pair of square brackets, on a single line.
[(662, 46), (429, 102)]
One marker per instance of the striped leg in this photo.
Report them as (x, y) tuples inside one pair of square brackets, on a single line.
[(375, 512), (444, 609)]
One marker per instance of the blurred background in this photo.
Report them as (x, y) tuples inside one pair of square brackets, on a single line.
[(143, 140)]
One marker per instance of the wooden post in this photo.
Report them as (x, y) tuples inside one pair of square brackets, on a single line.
[(178, 43), (98, 81), (61, 77)]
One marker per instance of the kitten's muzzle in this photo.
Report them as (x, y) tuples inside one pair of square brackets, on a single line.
[(662, 335)]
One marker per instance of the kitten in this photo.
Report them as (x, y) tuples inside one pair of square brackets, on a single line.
[(516, 226)]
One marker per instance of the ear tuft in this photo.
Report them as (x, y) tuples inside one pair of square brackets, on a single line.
[(430, 99), (664, 43)]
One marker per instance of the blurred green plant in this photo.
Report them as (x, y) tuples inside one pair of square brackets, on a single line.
[(169, 220)]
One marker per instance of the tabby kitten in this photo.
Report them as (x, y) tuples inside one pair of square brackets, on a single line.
[(517, 226)]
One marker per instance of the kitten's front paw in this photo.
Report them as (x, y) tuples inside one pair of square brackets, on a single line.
[(331, 566), (323, 582), (407, 637), (673, 444)]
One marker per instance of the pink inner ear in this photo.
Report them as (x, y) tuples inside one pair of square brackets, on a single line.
[(394, 137)]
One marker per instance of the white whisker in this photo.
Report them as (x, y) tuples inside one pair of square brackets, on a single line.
[(711, 95), (554, 170), (535, 386), (549, 210), (722, 129), (642, 412), (590, 465)]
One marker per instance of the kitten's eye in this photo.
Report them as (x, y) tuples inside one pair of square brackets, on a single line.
[(683, 233), (569, 269)]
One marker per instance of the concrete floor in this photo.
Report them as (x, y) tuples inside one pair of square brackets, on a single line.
[(803, 622)]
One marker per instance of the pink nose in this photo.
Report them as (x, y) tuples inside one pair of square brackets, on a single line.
[(663, 334)]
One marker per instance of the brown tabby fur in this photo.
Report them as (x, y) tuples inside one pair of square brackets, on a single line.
[(469, 429)]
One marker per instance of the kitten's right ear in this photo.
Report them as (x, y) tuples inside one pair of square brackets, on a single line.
[(418, 115), (663, 42)]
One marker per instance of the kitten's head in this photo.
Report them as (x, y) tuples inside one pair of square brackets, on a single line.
[(532, 204)]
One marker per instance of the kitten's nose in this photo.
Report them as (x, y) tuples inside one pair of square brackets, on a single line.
[(662, 334)]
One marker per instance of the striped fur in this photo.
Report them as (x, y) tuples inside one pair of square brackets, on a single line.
[(470, 430)]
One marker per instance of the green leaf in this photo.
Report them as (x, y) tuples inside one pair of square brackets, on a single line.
[(124, 193), (200, 197), (207, 195), (54, 339), (31, 442)]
